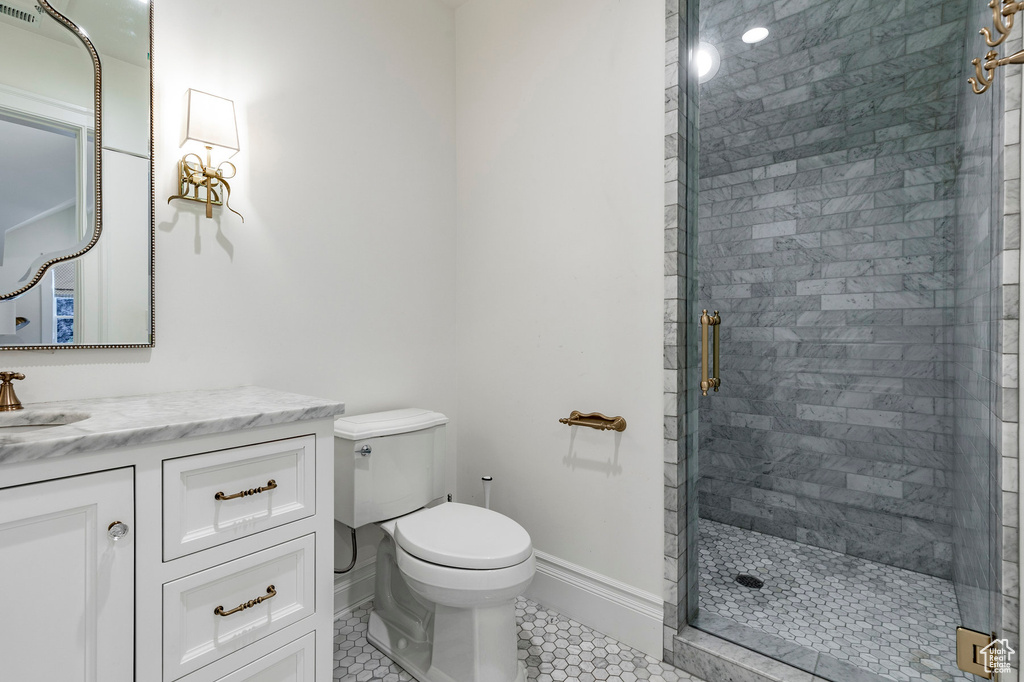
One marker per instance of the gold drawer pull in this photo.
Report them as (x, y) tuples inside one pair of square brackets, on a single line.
[(271, 484), (271, 592)]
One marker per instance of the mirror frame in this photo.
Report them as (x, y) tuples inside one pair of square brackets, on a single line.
[(98, 152)]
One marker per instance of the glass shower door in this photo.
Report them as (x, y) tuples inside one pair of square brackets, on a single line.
[(850, 233), (977, 359)]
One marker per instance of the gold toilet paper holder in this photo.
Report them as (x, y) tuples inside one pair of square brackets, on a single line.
[(594, 420)]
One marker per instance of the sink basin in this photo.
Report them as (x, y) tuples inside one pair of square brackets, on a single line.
[(22, 428), (29, 421)]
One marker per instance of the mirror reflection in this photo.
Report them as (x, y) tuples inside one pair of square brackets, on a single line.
[(47, 208), (51, 180)]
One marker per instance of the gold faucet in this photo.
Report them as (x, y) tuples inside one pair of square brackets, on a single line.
[(8, 400)]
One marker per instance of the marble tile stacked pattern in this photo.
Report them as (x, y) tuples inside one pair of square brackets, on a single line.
[(681, 370), (826, 226)]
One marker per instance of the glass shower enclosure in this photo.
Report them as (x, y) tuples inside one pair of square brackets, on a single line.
[(858, 236)]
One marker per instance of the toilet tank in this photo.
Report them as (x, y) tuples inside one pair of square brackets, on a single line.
[(387, 464)]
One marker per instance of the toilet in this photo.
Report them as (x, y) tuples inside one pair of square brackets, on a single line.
[(447, 574)]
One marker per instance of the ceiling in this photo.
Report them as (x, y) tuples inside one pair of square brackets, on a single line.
[(454, 4)]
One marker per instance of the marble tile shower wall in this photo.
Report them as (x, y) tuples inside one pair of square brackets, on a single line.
[(680, 568), (825, 239), (1007, 419)]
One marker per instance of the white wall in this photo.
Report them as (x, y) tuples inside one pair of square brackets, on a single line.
[(560, 109), (340, 283), (342, 280)]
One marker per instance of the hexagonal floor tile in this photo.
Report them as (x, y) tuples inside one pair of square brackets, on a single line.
[(552, 647)]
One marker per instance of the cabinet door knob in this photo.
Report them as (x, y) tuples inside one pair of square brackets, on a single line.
[(117, 530)]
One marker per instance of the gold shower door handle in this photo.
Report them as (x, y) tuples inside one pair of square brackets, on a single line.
[(713, 381)]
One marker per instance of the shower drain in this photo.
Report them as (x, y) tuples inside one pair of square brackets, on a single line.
[(750, 581)]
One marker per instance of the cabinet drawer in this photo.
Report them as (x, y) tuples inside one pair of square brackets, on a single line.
[(293, 662), (225, 495), (281, 578)]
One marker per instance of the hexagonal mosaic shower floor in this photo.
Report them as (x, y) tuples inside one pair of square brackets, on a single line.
[(553, 647), (893, 622), (890, 621)]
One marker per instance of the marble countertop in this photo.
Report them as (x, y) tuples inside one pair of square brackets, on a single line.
[(106, 423)]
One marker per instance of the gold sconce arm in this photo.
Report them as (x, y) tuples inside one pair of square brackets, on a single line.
[(194, 174), (713, 381), (594, 420)]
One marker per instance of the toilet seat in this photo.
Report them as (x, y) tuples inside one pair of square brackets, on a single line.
[(463, 536)]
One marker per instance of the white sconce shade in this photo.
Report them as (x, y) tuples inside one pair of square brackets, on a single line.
[(209, 120)]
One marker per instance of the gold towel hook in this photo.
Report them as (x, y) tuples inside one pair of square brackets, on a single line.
[(984, 68), (1002, 19)]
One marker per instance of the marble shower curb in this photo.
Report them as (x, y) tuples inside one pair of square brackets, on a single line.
[(713, 658)]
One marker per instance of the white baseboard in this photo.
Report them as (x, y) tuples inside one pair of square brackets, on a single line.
[(629, 615), (621, 611), (354, 588)]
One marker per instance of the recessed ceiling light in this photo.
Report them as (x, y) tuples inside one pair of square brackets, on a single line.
[(755, 35), (707, 61)]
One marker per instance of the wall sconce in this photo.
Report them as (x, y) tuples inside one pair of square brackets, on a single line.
[(210, 121)]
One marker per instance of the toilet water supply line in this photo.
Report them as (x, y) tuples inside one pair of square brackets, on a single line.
[(355, 550), (355, 553)]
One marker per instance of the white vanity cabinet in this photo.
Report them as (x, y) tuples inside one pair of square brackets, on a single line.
[(225, 573), (67, 592)]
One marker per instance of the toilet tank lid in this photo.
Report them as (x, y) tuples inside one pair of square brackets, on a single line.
[(376, 424)]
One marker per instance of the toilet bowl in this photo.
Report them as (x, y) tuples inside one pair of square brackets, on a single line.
[(445, 609), (447, 575), (463, 588)]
